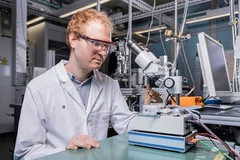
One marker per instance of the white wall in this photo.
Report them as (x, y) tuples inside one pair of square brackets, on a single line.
[(56, 33), (39, 35)]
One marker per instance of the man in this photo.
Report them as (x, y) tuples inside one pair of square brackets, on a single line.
[(70, 105)]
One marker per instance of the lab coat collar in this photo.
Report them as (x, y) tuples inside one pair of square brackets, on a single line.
[(63, 76), (96, 85), (67, 84)]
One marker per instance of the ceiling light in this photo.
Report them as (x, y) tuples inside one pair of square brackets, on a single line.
[(83, 8), (35, 20), (150, 30)]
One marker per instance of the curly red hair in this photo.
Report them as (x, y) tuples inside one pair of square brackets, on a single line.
[(79, 21)]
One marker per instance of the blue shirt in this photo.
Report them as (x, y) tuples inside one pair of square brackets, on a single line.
[(83, 88)]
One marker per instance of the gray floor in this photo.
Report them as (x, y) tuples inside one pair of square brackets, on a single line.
[(6, 144)]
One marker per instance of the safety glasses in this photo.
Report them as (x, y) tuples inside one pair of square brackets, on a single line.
[(108, 47)]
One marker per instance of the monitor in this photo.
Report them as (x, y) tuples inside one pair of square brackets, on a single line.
[(213, 65)]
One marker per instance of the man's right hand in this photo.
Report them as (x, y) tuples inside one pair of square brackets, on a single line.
[(150, 95), (83, 141)]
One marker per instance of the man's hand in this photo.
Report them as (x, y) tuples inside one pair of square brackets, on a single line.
[(83, 141), (150, 95)]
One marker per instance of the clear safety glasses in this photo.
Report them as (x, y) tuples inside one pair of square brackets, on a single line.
[(106, 46)]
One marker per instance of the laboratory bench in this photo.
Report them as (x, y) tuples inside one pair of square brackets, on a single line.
[(117, 148)]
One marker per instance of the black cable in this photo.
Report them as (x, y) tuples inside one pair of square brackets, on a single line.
[(226, 145), (171, 96), (199, 116), (231, 154), (205, 99), (198, 123), (167, 100), (214, 144), (192, 121)]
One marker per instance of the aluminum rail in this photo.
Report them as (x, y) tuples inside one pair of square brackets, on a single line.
[(167, 7), (117, 20), (130, 37), (37, 12), (145, 7)]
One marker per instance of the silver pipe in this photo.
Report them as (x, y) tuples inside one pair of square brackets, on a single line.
[(238, 18), (98, 5), (232, 15), (187, 65), (184, 16), (176, 33), (130, 37), (232, 18), (176, 17), (177, 95), (177, 45), (160, 33)]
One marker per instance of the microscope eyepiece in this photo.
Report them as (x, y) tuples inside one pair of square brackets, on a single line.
[(133, 46), (130, 43)]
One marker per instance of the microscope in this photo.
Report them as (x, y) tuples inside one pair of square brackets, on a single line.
[(159, 125), (156, 69)]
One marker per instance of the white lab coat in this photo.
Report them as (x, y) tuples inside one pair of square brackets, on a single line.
[(53, 112)]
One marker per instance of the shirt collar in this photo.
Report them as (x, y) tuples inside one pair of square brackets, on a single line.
[(64, 77), (74, 79)]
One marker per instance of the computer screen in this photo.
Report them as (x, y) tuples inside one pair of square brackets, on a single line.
[(213, 65)]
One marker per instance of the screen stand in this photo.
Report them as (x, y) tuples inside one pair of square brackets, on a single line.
[(216, 103)]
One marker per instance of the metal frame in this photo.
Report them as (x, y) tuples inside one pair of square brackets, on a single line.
[(73, 6), (129, 52), (37, 11), (158, 9), (117, 20), (132, 91), (221, 120), (145, 7), (19, 43)]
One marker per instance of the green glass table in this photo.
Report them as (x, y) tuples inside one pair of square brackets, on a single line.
[(117, 148)]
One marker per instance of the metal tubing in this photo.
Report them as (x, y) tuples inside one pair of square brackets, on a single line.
[(238, 18), (98, 5), (19, 43), (175, 33), (184, 16), (178, 95), (177, 45), (130, 37), (232, 19), (176, 16), (232, 15), (234, 33)]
